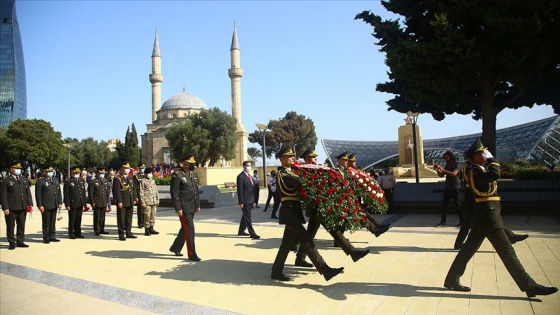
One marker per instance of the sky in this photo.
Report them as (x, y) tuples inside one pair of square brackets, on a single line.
[(87, 66)]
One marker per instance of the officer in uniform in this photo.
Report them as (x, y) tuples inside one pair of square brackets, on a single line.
[(138, 176), (149, 197), (49, 200), (124, 193), (97, 191), (75, 201), (16, 200), (292, 217), (186, 200), (487, 223)]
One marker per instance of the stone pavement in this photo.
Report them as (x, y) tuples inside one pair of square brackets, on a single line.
[(403, 274)]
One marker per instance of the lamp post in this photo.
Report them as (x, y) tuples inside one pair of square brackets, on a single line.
[(414, 118), (263, 127), (68, 146)]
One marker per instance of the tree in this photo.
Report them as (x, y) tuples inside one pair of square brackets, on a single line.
[(470, 57), (254, 153), (129, 150), (89, 153), (292, 128), (209, 134)]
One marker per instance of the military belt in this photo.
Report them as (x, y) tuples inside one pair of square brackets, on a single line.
[(484, 199), (288, 199)]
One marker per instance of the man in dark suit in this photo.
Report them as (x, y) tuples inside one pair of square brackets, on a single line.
[(186, 200), (487, 223), (292, 216), (246, 198), (75, 201), (124, 193), (97, 192), (49, 200), (16, 200)]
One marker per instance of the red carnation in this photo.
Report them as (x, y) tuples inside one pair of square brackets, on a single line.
[(356, 220), (317, 200), (342, 217)]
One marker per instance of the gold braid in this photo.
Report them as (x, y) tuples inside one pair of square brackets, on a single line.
[(493, 185), (123, 186)]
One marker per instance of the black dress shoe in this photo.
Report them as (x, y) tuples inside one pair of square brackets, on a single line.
[(257, 207), (130, 236), (80, 236), (96, 233), (456, 286), (264, 210), (280, 277), (359, 254), (194, 258), (380, 231), (540, 290), (303, 263), (331, 272), (152, 231), (382, 226), (176, 253), (54, 240), (103, 232), (46, 241), (72, 237), (243, 234), (519, 238), (22, 245), (12, 246), (274, 217), (441, 224), (460, 223), (255, 237), (122, 238)]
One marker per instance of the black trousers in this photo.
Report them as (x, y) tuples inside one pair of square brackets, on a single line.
[(276, 197), (140, 214), (270, 193), (124, 220), (257, 193), (291, 232), (13, 218), (312, 228), (185, 236), (389, 198), (99, 219), (502, 245), (75, 221), (448, 195), (246, 222), (49, 224)]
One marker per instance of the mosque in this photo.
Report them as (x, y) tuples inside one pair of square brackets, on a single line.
[(155, 148)]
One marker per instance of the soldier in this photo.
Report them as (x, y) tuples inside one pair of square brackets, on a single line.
[(487, 223), (124, 193), (75, 201), (138, 176), (49, 200), (292, 216), (186, 200), (16, 201), (149, 197), (97, 191)]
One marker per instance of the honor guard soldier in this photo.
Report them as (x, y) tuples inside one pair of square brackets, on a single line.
[(139, 210), (124, 193), (292, 217), (186, 200), (49, 200), (97, 191), (16, 200), (149, 197), (75, 201), (487, 223)]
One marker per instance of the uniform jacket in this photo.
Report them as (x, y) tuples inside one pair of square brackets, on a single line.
[(124, 190), (137, 180), (97, 192), (75, 193), (184, 191), (48, 193), (148, 191), (288, 184), (483, 185), (16, 193), (245, 189)]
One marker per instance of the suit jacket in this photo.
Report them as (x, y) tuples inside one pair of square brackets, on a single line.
[(288, 184), (75, 193), (16, 193), (487, 214), (48, 193), (124, 190), (184, 191), (245, 189), (97, 192)]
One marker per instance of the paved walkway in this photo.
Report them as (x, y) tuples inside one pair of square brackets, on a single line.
[(403, 274)]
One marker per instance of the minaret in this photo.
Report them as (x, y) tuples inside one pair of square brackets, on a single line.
[(156, 78), (235, 74)]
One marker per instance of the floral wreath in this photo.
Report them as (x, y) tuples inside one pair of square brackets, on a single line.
[(369, 190)]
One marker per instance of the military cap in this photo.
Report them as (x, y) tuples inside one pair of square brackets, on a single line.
[(48, 169), (189, 158), (287, 150), (100, 170), (147, 170), (15, 165), (309, 152), (142, 165), (75, 169), (125, 164), (343, 156), (352, 157), (475, 147)]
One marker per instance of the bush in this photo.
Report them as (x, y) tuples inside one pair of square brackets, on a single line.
[(163, 181), (525, 170)]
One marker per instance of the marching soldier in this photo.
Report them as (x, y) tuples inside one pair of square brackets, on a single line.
[(49, 200), (124, 193), (97, 191), (16, 201), (149, 197), (75, 201), (138, 176)]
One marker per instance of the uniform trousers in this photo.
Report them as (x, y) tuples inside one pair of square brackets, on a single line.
[(276, 205), (292, 232), (185, 235), (312, 228), (75, 221), (246, 222), (140, 214), (124, 220), (99, 219), (49, 223), (149, 215), (15, 217)]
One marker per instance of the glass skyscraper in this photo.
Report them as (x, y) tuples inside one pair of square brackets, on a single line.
[(13, 91)]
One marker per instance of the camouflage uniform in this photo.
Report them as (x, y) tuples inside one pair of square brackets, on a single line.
[(150, 200)]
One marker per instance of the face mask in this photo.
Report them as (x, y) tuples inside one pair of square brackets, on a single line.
[(17, 171), (50, 174), (76, 176), (101, 176), (150, 176), (126, 171), (248, 169), (191, 167), (141, 170)]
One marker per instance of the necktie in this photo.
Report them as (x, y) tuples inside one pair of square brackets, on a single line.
[(250, 178)]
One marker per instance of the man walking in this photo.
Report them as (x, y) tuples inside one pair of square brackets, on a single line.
[(246, 198)]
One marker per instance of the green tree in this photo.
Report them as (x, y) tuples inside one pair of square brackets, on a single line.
[(129, 150), (4, 159), (470, 57), (254, 153), (292, 128), (90, 152), (209, 134)]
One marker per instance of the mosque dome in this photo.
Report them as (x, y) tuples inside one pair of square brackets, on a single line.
[(184, 100)]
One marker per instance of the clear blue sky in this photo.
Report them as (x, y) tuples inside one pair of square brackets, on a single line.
[(87, 65)]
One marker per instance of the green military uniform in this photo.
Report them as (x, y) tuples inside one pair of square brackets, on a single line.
[(75, 200), (49, 196), (124, 193), (16, 197), (98, 198)]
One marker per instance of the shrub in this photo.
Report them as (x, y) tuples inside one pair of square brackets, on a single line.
[(163, 181)]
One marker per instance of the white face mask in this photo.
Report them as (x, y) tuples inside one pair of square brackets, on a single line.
[(50, 174), (17, 171), (149, 175), (126, 171), (101, 176), (248, 169), (77, 175), (141, 170)]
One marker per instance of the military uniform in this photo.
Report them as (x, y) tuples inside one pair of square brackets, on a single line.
[(49, 196), (98, 198), (16, 197), (124, 193), (149, 197), (75, 201), (139, 210)]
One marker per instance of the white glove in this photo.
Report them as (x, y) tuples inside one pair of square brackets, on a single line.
[(487, 155)]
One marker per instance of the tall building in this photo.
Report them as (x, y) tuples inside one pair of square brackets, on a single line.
[(13, 90)]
